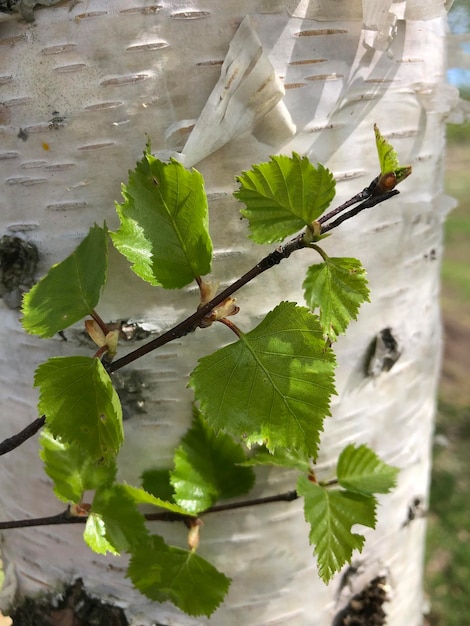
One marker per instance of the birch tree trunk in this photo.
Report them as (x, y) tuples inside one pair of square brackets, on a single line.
[(80, 88)]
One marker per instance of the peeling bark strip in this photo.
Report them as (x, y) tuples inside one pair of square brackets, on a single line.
[(247, 97), (267, 554)]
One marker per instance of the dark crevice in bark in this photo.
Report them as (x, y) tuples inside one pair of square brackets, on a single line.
[(74, 607), (366, 607)]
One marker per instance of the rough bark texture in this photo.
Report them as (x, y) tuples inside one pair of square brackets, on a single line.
[(80, 88)]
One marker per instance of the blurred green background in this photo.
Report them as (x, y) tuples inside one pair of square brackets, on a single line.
[(448, 540)]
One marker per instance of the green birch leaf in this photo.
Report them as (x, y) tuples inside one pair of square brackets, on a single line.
[(331, 514), (280, 457), (164, 223), (283, 196), (95, 536), (166, 573), (124, 525), (388, 158), (70, 290), (273, 386), (206, 468), (80, 404), (72, 470), (359, 469), (337, 287), (157, 483), (392, 172)]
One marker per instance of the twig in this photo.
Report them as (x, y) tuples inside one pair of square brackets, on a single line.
[(190, 324), (7, 445), (165, 516), (367, 204), (362, 195)]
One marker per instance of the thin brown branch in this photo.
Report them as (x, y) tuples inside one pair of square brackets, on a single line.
[(191, 323), (7, 445), (372, 201), (165, 516)]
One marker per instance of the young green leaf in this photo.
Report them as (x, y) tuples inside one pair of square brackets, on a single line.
[(166, 573), (164, 223), (388, 158), (94, 536), (72, 469), (81, 405), (157, 483), (124, 525), (359, 469), (273, 386), (331, 515), (206, 468), (70, 290), (283, 196), (392, 173), (338, 287)]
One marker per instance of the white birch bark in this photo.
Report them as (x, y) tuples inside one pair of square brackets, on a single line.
[(85, 82)]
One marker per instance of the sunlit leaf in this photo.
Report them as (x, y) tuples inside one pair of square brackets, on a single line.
[(283, 196), (95, 536), (273, 386), (71, 468), (70, 290), (392, 172), (164, 223), (338, 287), (80, 404)]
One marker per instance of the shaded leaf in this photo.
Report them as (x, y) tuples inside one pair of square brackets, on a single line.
[(157, 483), (80, 404), (164, 223), (206, 468), (166, 573), (280, 457), (331, 515), (337, 287), (283, 196), (273, 386), (359, 469), (70, 290)]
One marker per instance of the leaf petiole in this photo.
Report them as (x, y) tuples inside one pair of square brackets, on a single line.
[(233, 327)]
